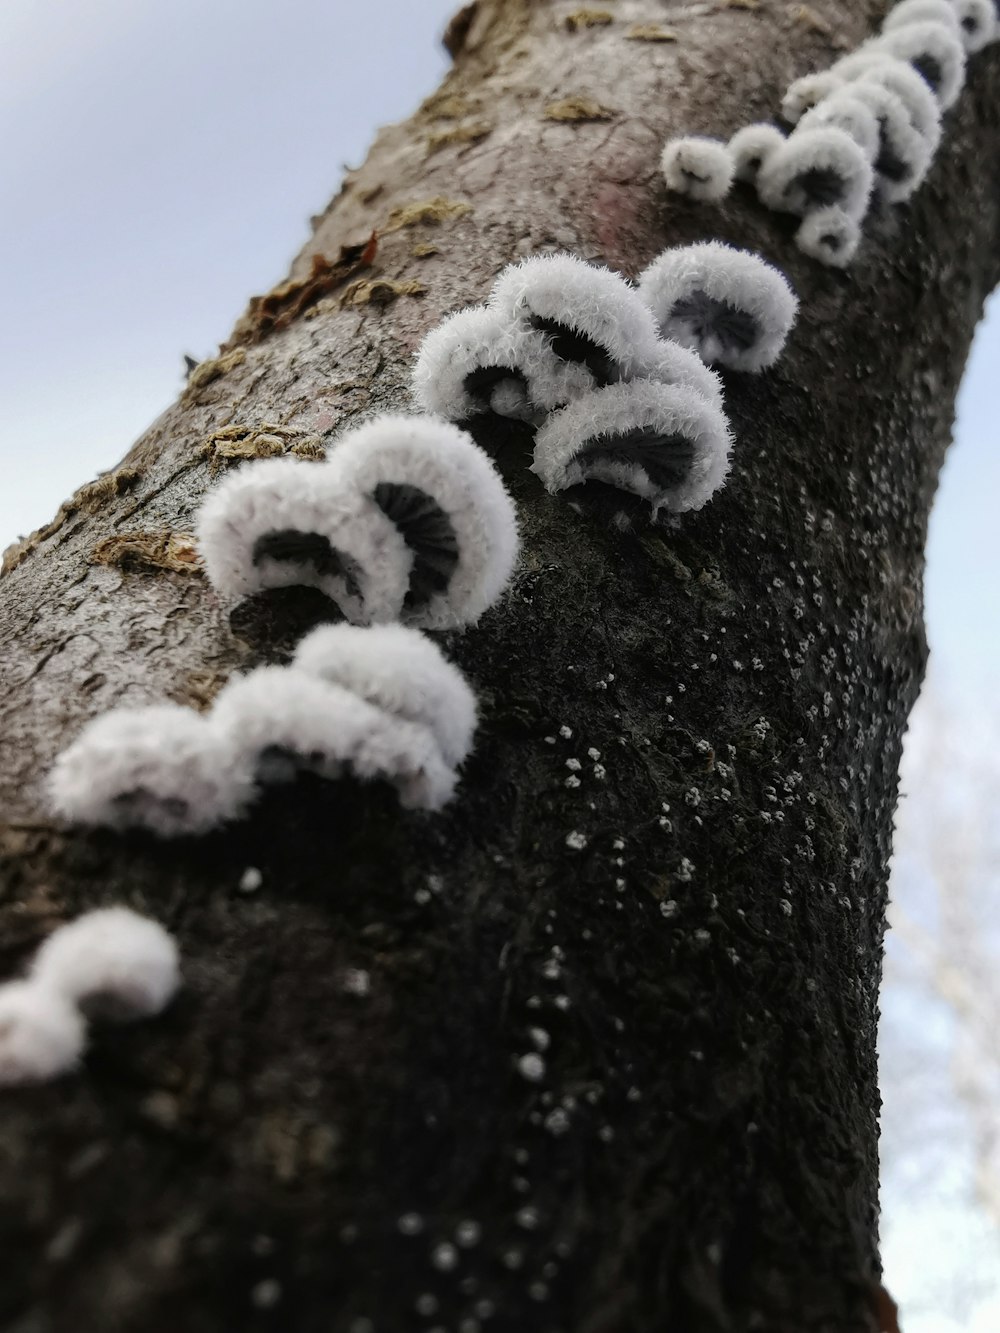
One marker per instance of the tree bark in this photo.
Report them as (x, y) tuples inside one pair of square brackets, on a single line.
[(703, 959)]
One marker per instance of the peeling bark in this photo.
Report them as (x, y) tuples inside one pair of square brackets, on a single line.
[(697, 933)]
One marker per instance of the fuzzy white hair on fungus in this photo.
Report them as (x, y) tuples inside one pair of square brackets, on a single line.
[(920, 11), (665, 443), (867, 66), (845, 111), (934, 51), (160, 767), (904, 155), (285, 721), (400, 671), (676, 364), (978, 24), (699, 166), (284, 522), (806, 91), (829, 235), (478, 361), (817, 168), (729, 306), (112, 963), (750, 148), (447, 501), (589, 316), (42, 1034)]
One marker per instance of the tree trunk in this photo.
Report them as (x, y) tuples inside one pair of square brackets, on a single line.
[(286, 1149)]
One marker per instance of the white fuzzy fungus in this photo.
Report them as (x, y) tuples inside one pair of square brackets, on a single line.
[(41, 1033), (919, 11), (934, 50), (111, 963), (829, 235), (904, 155), (591, 318), (282, 522), (446, 500), (805, 92), (162, 768), (728, 305), (750, 148), (400, 671), (666, 443), (699, 166), (817, 168), (844, 110), (977, 24), (676, 364), (868, 66), (283, 722)]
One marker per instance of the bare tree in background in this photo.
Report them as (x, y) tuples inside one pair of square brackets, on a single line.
[(694, 938)]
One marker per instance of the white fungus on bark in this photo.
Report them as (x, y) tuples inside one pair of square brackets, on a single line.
[(111, 963), (934, 50), (665, 443), (282, 522), (817, 168), (729, 306), (844, 110), (806, 91), (829, 235), (920, 11), (904, 155), (590, 316), (400, 671), (42, 1034), (163, 768), (978, 24), (446, 500), (699, 166), (750, 147), (868, 66), (283, 722)]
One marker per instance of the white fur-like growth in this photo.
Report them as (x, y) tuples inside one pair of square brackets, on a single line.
[(805, 92), (919, 11), (682, 365), (829, 235), (288, 495), (609, 413), (750, 148), (905, 155), (784, 181), (162, 768), (922, 43), (868, 66), (978, 24), (442, 462), (688, 287), (481, 337), (590, 300), (699, 166), (41, 1034), (283, 721), (400, 671), (844, 110), (112, 963)]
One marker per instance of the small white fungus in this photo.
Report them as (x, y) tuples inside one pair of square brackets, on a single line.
[(829, 235), (41, 1033), (699, 166)]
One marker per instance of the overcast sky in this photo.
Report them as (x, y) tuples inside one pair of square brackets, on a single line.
[(159, 163)]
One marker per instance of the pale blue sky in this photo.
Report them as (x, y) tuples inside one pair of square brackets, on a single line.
[(159, 163)]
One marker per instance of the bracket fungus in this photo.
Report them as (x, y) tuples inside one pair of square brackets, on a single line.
[(817, 168), (400, 671), (162, 767), (665, 443), (728, 305), (111, 963), (699, 166), (283, 722), (844, 110), (898, 77), (42, 1034), (904, 155), (829, 235), (806, 91), (934, 50), (750, 148)]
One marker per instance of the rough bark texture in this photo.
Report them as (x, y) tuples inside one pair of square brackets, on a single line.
[(701, 1152)]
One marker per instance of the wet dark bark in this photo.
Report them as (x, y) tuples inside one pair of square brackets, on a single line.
[(696, 928)]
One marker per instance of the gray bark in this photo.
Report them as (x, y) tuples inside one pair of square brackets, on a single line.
[(701, 1153)]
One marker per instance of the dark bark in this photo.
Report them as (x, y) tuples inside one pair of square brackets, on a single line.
[(700, 1154)]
